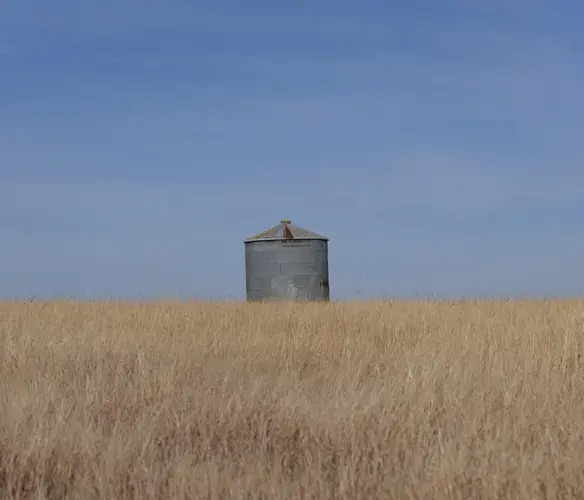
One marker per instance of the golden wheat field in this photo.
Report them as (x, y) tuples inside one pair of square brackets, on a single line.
[(477, 399)]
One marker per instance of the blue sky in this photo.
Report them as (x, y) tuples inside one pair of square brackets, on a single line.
[(438, 145)]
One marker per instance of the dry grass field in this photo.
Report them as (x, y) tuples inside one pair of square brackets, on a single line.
[(371, 400)]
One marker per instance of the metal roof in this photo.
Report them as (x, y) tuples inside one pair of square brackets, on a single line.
[(286, 231)]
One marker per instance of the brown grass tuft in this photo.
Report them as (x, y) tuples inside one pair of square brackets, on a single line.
[(376, 400)]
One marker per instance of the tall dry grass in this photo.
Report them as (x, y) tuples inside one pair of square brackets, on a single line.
[(374, 400)]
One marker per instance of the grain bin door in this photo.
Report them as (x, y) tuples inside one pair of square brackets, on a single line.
[(288, 288)]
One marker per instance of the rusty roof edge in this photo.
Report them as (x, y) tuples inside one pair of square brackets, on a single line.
[(260, 235), (297, 238), (310, 235), (285, 229)]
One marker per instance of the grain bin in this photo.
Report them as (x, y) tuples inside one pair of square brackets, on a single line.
[(286, 262)]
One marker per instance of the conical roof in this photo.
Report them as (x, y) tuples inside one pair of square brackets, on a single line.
[(286, 231)]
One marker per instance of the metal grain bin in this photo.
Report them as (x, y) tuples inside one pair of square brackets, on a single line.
[(287, 262)]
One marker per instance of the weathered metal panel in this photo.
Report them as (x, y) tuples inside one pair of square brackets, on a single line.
[(287, 269)]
